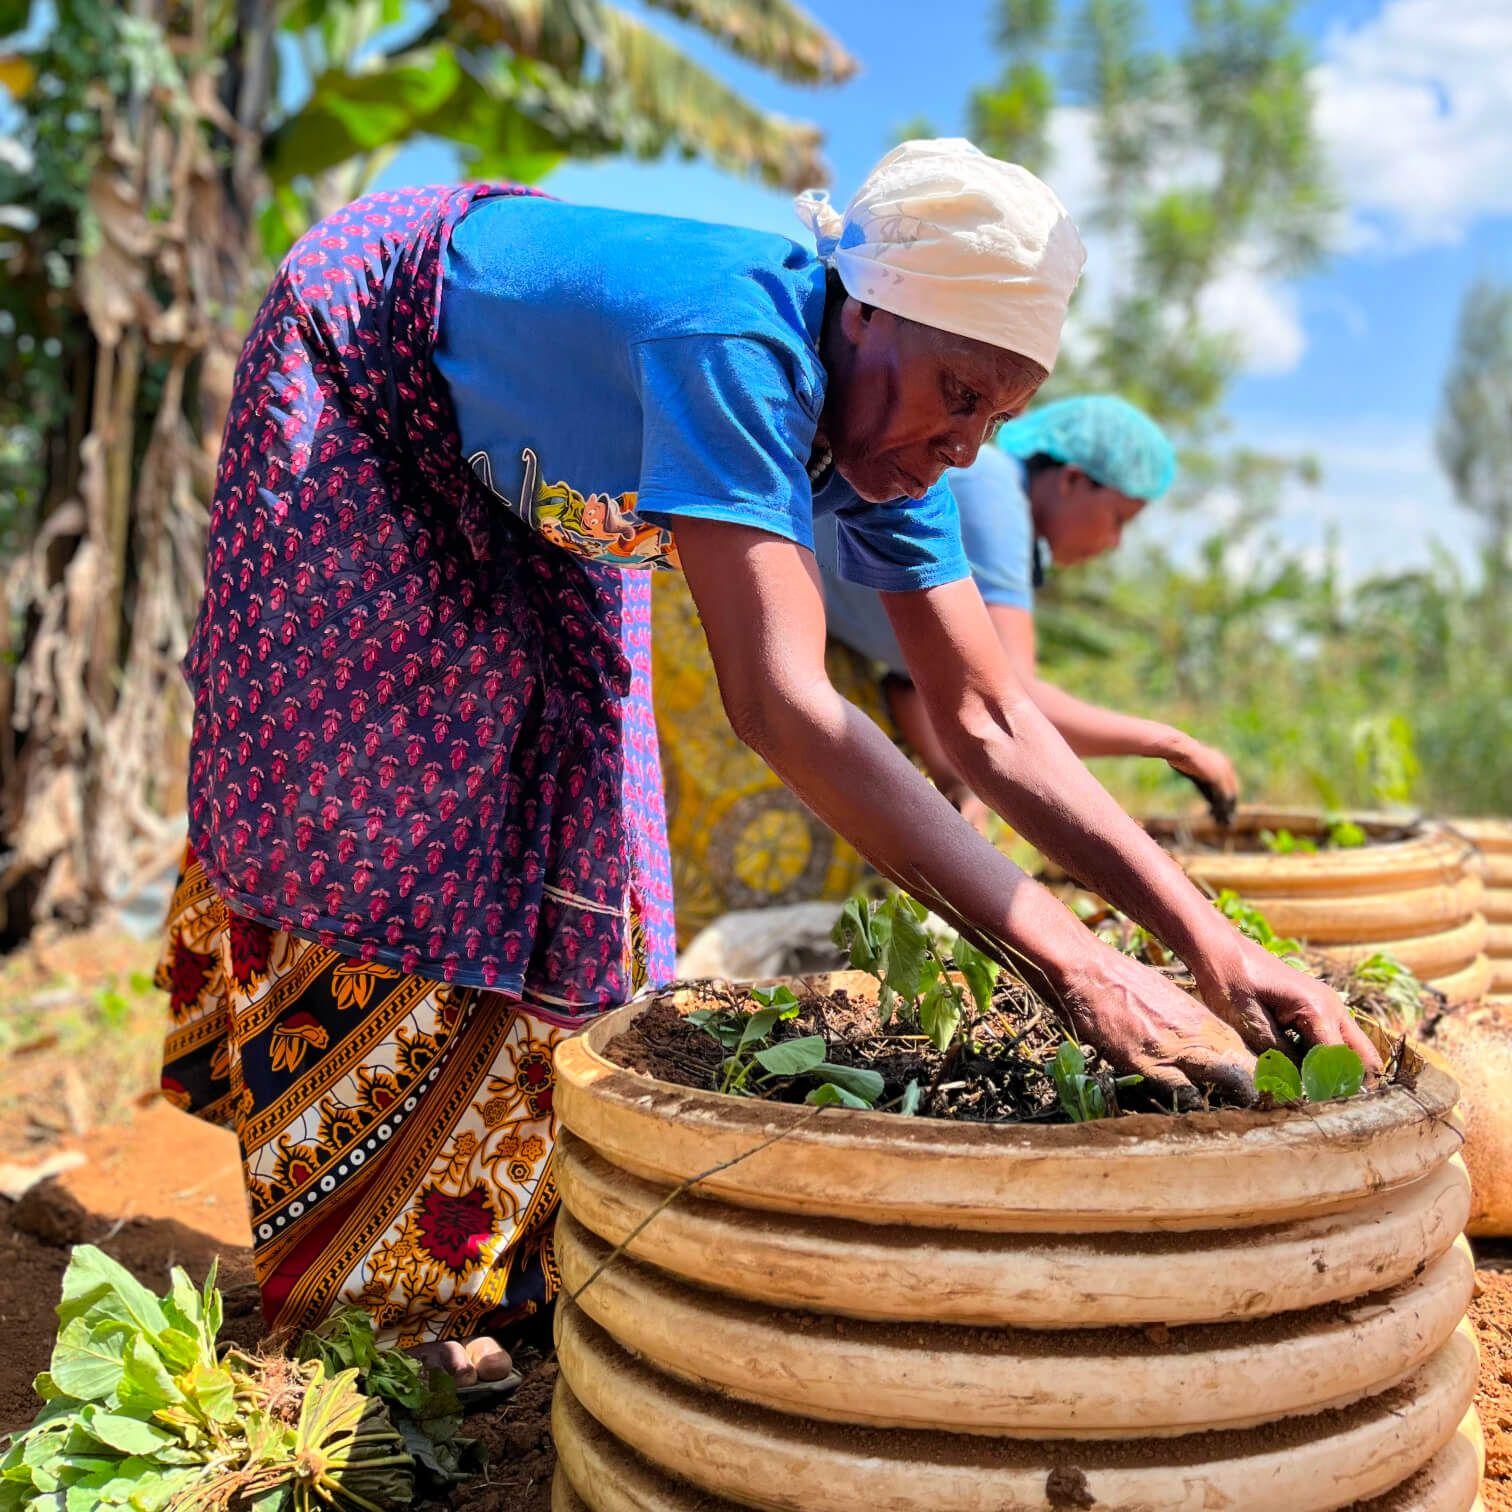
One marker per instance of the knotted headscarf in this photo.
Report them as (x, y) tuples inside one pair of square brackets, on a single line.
[(943, 234)]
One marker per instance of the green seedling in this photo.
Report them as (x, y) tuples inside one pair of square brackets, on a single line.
[(1251, 922), (755, 1063), (1282, 842), (1082, 1098), (1327, 1072), (1402, 990), (889, 940)]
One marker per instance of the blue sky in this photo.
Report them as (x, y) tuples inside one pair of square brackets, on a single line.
[(1416, 117)]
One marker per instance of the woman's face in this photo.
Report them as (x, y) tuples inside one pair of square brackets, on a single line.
[(1077, 518), (905, 401)]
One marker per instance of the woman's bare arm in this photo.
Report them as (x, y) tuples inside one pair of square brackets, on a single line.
[(763, 616), (1012, 757)]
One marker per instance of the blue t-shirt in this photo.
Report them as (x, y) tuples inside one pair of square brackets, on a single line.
[(997, 531), (659, 367)]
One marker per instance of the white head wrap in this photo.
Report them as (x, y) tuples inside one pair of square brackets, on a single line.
[(945, 235)]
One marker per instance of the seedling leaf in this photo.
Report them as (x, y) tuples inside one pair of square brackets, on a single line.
[(1275, 1074), (857, 1080), (827, 1094), (792, 1057), (1330, 1071)]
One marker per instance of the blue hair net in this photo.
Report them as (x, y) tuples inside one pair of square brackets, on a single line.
[(1107, 438)]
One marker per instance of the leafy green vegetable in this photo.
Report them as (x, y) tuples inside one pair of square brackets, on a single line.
[(1275, 1074), (141, 1412), (828, 1094), (1330, 1071), (859, 1081), (1081, 1098)]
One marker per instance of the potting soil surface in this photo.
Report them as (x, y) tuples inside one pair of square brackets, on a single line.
[(1000, 1077), (166, 1189)]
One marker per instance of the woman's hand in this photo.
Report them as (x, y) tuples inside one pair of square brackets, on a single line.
[(1211, 771), (1145, 1025), (1260, 995)]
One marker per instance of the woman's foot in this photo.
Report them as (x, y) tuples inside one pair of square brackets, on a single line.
[(478, 1362)]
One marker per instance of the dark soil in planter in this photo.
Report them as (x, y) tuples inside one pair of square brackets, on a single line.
[(999, 1078)]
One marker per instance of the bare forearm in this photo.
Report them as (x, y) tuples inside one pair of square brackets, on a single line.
[(1091, 730), (847, 771), (1014, 759)]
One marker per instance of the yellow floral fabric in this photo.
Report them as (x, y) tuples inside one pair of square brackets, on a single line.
[(739, 837)]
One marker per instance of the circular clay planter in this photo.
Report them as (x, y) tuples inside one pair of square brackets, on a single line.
[(1415, 891), (1492, 839), (1474, 1044), (864, 1311)]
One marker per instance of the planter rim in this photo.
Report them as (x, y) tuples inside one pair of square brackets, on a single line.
[(582, 1060)]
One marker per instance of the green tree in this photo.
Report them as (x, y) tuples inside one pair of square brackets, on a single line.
[(1204, 154), (1475, 435), (155, 169)]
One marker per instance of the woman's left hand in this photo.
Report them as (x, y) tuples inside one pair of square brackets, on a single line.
[(1211, 771), (1260, 995)]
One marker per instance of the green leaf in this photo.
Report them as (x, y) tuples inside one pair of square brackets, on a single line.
[(1330, 1071), (907, 950), (827, 1094), (780, 997), (1069, 1060), (853, 934), (213, 1388), (347, 114), (1275, 1074), (979, 970), (129, 1435), (911, 1096), (146, 1379), (857, 1080), (758, 1027), (88, 1363), (97, 1286), (792, 1057), (940, 1014)]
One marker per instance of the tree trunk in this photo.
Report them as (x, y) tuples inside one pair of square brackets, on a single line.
[(94, 714)]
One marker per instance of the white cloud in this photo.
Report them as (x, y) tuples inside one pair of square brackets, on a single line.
[(1382, 492), (1414, 107)]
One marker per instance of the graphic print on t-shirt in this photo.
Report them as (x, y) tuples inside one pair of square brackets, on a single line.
[(601, 527)]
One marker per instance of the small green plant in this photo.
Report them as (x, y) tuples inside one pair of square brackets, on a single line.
[(1082, 1098), (1327, 1072), (1282, 842), (755, 1063), (889, 940), (1345, 834), (1338, 834), (1251, 922), (1402, 991)]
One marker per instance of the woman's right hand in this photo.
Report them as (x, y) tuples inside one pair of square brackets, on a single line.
[(1145, 1025)]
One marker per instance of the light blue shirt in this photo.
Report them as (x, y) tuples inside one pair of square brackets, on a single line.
[(668, 360), (997, 531)]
